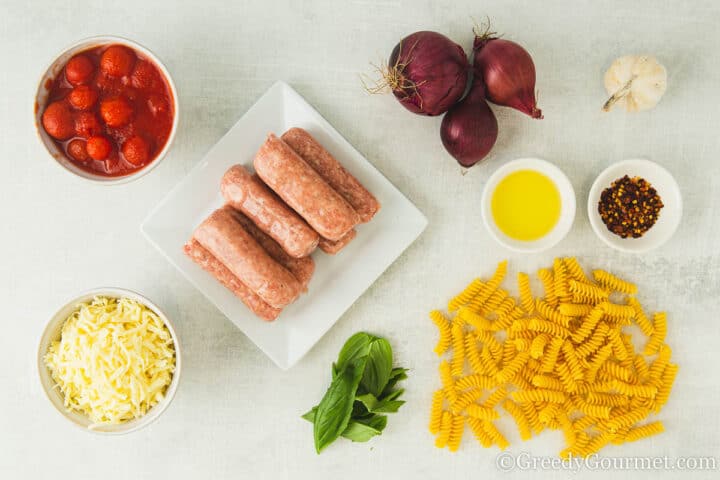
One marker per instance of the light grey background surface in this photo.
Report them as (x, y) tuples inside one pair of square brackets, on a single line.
[(236, 415)]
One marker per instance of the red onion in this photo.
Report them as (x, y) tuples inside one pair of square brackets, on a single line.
[(508, 72), (469, 129), (427, 72)]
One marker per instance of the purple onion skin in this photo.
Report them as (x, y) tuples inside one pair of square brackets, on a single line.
[(469, 129), (432, 72), (508, 72)]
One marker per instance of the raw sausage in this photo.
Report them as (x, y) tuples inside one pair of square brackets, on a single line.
[(247, 193), (301, 268), (230, 243), (332, 171), (328, 246), (212, 265), (304, 190)]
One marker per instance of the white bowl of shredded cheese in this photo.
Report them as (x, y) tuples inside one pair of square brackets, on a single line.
[(109, 361)]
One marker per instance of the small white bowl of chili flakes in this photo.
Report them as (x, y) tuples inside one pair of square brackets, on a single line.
[(635, 205)]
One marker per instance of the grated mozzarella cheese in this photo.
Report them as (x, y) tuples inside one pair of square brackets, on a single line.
[(114, 360)]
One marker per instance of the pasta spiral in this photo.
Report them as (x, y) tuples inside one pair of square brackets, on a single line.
[(611, 282), (644, 431), (526, 298), (443, 326), (436, 412), (472, 290), (561, 361), (546, 277)]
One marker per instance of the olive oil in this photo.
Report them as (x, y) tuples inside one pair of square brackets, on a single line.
[(526, 205)]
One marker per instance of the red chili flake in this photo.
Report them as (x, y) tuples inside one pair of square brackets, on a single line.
[(629, 207)]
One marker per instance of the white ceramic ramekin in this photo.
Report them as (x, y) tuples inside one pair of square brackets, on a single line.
[(41, 97), (668, 219), (52, 332), (567, 209)]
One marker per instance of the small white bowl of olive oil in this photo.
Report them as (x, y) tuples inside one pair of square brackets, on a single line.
[(528, 205)]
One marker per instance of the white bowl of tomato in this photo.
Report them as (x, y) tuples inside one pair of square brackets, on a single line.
[(106, 110)]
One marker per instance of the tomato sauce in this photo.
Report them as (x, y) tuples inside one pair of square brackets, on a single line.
[(110, 110)]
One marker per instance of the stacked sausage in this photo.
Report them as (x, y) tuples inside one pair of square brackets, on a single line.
[(300, 198)]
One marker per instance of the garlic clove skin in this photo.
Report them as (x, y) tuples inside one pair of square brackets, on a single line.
[(635, 82)]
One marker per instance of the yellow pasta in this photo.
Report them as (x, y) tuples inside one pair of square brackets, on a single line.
[(489, 288), (587, 292), (644, 431), (617, 372), (436, 412), (658, 366), (611, 282), (658, 335), (464, 400), (456, 432), (472, 352), (527, 302), (549, 313), (562, 362), (607, 399), (520, 419), (588, 324), (531, 413), (547, 381), (551, 354), (480, 433), (596, 340), (546, 277), (497, 437), (574, 270), (621, 311), (537, 347), (458, 343), (640, 318), (548, 327), (597, 361), (441, 440), (481, 412), (472, 290), (560, 278), (668, 378), (444, 329), (512, 367), (574, 309), (473, 319), (475, 381), (539, 395), (496, 397)]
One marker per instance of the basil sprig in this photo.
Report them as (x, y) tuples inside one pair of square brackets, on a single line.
[(361, 392)]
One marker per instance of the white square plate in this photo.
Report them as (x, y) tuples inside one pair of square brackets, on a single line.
[(339, 280)]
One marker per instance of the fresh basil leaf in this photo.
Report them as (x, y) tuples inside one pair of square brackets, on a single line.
[(333, 412), (362, 432), (355, 347), (310, 416), (378, 422), (379, 366), (389, 406), (368, 400), (359, 410), (396, 375), (392, 395)]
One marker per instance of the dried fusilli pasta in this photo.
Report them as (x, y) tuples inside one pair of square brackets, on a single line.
[(562, 361)]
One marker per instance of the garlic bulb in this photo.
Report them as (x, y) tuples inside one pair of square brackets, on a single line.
[(636, 81)]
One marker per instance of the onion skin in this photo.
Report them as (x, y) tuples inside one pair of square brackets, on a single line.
[(469, 129), (508, 72), (428, 73)]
